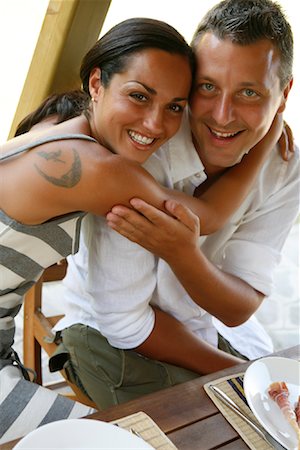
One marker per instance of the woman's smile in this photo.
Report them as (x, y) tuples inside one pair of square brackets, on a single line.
[(140, 139)]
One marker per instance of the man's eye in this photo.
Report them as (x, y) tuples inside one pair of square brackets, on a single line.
[(207, 87), (138, 96), (249, 93)]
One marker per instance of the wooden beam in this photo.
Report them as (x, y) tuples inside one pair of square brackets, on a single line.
[(69, 29)]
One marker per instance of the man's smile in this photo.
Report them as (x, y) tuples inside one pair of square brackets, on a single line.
[(223, 134)]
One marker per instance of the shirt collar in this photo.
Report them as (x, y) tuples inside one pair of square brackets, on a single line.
[(183, 157)]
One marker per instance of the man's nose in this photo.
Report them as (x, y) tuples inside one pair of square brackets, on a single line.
[(154, 120), (224, 110)]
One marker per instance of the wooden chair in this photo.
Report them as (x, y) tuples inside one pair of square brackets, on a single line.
[(38, 335)]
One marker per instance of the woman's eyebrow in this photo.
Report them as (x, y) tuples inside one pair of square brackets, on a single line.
[(148, 88)]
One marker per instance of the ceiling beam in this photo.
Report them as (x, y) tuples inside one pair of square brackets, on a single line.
[(69, 29)]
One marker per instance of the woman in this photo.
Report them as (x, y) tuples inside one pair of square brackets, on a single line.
[(138, 78)]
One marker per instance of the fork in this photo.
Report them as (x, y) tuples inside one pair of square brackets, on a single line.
[(133, 431)]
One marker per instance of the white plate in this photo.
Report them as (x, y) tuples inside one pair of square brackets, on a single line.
[(258, 377), (81, 434)]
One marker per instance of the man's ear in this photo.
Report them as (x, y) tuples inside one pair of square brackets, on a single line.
[(95, 83), (285, 95)]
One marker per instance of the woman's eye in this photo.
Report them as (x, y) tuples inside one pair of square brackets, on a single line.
[(138, 96), (176, 108)]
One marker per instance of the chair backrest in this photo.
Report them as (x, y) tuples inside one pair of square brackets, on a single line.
[(37, 332)]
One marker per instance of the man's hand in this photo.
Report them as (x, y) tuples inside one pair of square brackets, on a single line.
[(162, 234), (286, 143)]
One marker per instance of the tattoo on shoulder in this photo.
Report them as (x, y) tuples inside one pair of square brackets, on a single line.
[(70, 178), (54, 156)]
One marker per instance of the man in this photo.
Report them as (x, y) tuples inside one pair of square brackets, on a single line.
[(244, 51)]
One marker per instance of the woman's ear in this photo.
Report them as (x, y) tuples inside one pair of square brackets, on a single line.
[(95, 83), (285, 95)]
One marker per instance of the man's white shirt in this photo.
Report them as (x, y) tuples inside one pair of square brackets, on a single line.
[(112, 282)]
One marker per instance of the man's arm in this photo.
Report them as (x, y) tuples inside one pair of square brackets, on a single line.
[(172, 342), (175, 239)]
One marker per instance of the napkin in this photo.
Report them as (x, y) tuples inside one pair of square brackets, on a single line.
[(233, 387), (148, 430)]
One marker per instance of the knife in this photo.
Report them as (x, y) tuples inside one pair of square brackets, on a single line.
[(264, 434)]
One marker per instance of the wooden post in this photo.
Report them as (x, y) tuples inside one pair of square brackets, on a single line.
[(69, 29)]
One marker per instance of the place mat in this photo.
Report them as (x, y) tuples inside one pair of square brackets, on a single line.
[(147, 428), (233, 387)]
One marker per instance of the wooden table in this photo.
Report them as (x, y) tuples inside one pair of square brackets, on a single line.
[(185, 413)]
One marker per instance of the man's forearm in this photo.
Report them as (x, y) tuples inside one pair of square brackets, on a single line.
[(223, 295), (172, 342)]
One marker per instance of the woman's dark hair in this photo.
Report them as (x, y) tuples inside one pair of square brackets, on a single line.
[(110, 54), (64, 106), (245, 22)]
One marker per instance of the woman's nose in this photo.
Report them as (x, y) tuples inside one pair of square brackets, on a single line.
[(154, 120)]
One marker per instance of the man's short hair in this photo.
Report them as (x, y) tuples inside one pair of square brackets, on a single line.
[(245, 22)]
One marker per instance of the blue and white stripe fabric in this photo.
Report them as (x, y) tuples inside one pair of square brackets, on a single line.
[(24, 406), (25, 251)]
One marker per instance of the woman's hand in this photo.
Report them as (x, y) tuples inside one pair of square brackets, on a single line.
[(280, 134), (168, 236), (286, 143)]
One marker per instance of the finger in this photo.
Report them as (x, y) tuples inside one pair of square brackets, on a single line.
[(184, 215), (290, 137), (283, 145), (160, 219), (154, 215), (133, 217), (120, 210), (118, 223), (122, 227), (116, 218), (130, 224), (286, 143)]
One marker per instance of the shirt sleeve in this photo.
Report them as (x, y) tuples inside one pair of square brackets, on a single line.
[(254, 249)]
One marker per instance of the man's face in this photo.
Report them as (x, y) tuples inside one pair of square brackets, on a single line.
[(237, 94)]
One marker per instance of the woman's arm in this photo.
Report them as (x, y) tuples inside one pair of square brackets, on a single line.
[(123, 180), (70, 176)]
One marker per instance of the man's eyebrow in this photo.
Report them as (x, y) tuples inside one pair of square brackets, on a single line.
[(203, 79), (153, 91), (249, 83)]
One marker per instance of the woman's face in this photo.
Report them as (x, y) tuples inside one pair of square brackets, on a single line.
[(142, 107)]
